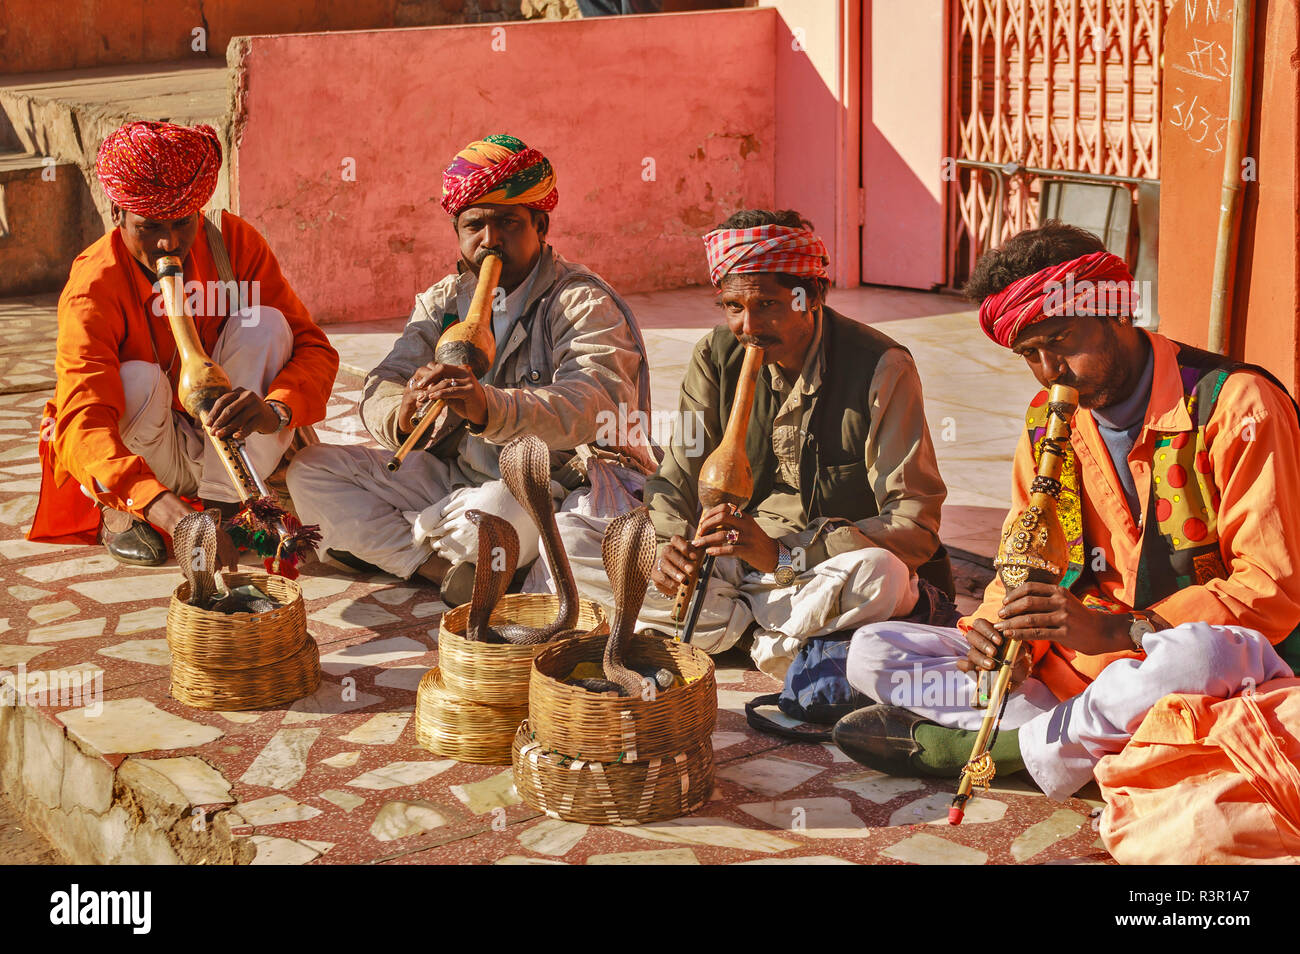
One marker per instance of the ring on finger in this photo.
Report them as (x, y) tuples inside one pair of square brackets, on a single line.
[(733, 537)]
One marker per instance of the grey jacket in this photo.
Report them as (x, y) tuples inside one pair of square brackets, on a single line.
[(571, 367)]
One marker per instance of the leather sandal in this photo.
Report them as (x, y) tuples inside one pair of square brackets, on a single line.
[(130, 541), (883, 738)]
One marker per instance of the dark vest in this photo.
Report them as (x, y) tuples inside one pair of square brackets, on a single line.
[(833, 480)]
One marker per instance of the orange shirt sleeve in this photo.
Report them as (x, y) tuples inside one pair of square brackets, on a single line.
[(90, 403), (1254, 447), (304, 384)]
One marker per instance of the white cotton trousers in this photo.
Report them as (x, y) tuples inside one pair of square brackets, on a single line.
[(842, 592), (397, 520), (254, 346), (915, 666)]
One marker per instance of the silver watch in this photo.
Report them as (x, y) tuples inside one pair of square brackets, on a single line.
[(784, 565), (1138, 630), (282, 411)]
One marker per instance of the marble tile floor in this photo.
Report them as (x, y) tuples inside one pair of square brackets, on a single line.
[(338, 778)]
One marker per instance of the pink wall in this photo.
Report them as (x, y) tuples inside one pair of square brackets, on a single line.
[(818, 114), (694, 92), (903, 142)]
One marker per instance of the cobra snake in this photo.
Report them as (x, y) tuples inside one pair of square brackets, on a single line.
[(195, 542), (628, 552), (526, 471)]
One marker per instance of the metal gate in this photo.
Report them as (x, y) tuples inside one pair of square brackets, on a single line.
[(1065, 85)]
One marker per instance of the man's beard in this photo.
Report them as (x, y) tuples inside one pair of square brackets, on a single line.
[(1112, 377)]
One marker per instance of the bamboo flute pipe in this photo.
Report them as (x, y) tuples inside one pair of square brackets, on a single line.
[(467, 343), (726, 477)]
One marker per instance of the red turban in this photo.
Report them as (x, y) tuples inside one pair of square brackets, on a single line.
[(765, 248), (160, 170), (1098, 284)]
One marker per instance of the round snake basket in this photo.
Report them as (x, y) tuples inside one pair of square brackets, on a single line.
[(466, 731), (231, 662), (610, 728), (604, 793), (497, 674)]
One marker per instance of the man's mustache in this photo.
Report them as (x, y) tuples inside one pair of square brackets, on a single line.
[(749, 341), (481, 255)]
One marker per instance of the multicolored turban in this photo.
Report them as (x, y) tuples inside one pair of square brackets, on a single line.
[(501, 170), (1098, 285), (765, 248), (160, 170)]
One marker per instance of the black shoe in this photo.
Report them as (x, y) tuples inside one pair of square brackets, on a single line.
[(883, 738), (458, 584), (138, 544), (353, 562)]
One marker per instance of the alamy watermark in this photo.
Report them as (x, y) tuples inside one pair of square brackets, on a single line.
[(1086, 297), (632, 427), (218, 299), (65, 688)]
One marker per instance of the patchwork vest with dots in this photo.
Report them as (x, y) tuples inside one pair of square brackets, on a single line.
[(1180, 541)]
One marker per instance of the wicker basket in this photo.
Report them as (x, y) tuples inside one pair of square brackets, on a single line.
[(448, 725), (496, 674), (264, 687), (208, 640), (609, 728), (243, 660), (603, 793)]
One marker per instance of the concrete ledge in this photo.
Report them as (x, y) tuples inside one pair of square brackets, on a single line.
[(98, 812)]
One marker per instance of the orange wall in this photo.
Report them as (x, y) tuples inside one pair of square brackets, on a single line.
[(1266, 313), (105, 32)]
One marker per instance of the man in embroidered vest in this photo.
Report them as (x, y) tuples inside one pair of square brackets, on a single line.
[(570, 366), (847, 491), (1181, 491), (119, 455)]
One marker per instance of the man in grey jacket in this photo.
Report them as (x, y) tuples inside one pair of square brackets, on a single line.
[(570, 368)]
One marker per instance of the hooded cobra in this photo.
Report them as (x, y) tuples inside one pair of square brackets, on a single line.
[(628, 552), (195, 541), (526, 470)]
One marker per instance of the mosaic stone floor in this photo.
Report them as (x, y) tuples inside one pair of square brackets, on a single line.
[(334, 781)]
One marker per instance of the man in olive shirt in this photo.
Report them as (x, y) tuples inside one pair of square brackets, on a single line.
[(847, 491)]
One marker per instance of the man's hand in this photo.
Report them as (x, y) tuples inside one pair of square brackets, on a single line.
[(238, 413), (1044, 611), (167, 510), (726, 530), (984, 642), (678, 562), (227, 552), (451, 383)]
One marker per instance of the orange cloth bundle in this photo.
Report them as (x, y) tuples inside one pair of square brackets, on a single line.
[(1208, 781)]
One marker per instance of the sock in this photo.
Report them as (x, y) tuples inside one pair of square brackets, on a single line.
[(945, 751)]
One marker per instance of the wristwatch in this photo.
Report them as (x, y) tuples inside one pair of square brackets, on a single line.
[(282, 411), (1138, 629), (784, 569)]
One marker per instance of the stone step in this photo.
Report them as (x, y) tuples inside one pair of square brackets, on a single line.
[(67, 114), (46, 219)]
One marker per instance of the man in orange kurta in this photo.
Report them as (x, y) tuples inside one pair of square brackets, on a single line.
[(119, 455), (1181, 497)]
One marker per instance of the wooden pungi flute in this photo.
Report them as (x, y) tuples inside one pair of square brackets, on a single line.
[(200, 383), (467, 343), (1033, 549), (726, 477)]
